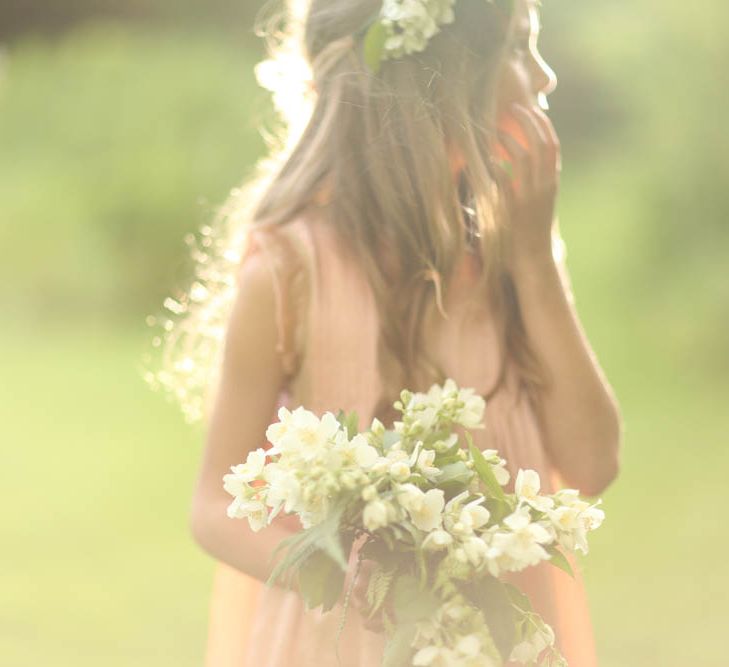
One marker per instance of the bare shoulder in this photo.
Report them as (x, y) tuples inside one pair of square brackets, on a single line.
[(274, 291), (251, 335)]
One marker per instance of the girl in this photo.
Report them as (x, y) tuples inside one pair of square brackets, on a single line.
[(405, 233)]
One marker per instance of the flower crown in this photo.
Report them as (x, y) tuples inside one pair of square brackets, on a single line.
[(404, 27)]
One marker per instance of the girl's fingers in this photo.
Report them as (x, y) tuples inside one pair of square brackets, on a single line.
[(553, 143), (520, 160), (537, 139), (505, 183)]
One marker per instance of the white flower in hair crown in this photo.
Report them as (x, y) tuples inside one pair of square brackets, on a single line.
[(404, 27)]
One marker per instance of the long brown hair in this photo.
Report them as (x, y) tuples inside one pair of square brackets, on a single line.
[(378, 145)]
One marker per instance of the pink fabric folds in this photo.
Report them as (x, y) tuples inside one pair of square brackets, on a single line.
[(328, 332)]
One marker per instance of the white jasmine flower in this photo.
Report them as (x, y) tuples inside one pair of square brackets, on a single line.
[(497, 560), (375, 515), (277, 430), (470, 645), (564, 518), (437, 539), (523, 545), (242, 474), (476, 550), (358, 450), (289, 78), (593, 517), (235, 484), (369, 492), (569, 498), (347, 480), (573, 522), (454, 610), (425, 464), (498, 466), (397, 453), (424, 508), (453, 505), (471, 414), (253, 510), (527, 490), (255, 461), (304, 433), (474, 515), (443, 445), (528, 650), (381, 465), (400, 471), (377, 427), (283, 488), (427, 655), (409, 496)]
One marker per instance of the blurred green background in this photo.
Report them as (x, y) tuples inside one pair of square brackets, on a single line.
[(124, 124)]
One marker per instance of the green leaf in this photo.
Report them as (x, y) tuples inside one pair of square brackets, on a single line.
[(498, 509), (453, 449), (483, 468), (325, 536), (418, 480), (414, 533), (507, 6), (422, 568), (412, 603), (374, 46), (444, 459), (517, 597), (320, 581), (490, 596), (559, 560), (398, 650), (378, 587), (454, 477), (387, 538), (377, 550), (390, 438), (298, 550), (349, 422)]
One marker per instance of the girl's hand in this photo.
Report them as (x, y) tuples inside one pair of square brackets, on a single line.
[(532, 186)]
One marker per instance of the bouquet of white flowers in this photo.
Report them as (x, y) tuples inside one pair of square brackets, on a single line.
[(435, 520)]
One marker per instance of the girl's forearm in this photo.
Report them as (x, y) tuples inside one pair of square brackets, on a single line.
[(577, 409), (232, 541)]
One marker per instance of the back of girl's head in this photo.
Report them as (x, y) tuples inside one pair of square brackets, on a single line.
[(381, 142), (377, 145)]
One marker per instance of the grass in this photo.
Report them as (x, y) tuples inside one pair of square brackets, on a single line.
[(99, 566)]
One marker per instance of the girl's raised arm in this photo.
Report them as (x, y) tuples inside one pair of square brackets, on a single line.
[(251, 378)]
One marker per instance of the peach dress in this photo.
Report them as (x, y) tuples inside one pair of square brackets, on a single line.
[(252, 625)]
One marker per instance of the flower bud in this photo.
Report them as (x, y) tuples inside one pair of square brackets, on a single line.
[(347, 480), (400, 471), (375, 515), (377, 427)]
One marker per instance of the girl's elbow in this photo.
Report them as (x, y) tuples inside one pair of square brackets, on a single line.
[(605, 470), (595, 468), (199, 523), (601, 479)]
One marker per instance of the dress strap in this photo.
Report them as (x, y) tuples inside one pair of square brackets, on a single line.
[(285, 265)]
